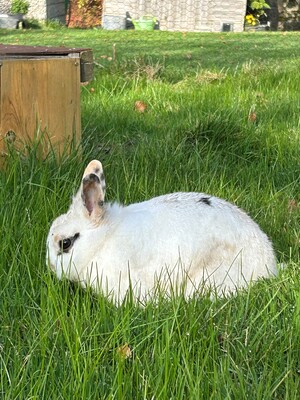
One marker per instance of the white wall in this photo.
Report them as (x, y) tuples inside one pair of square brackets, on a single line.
[(183, 15), (40, 9), (5, 6), (47, 9)]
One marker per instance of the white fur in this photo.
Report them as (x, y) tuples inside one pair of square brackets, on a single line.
[(173, 238)]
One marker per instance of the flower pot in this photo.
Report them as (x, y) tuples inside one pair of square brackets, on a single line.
[(11, 21), (144, 23)]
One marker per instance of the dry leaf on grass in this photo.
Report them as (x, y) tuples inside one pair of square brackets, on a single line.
[(140, 106), (252, 117), (292, 205), (124, 352)]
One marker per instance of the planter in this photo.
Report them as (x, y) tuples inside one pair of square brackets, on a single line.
[(144, 23), (256, 28), (11, 21)]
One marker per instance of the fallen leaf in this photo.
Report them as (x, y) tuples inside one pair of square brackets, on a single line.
[(124, 351), (252, 117), (292, 205), (140, 106)]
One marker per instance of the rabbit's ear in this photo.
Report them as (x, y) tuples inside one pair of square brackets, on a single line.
[(93, 189)]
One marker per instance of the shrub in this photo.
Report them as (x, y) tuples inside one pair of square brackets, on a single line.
[(19, 7)]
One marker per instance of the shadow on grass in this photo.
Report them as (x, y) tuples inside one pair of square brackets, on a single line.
[(184, 50)]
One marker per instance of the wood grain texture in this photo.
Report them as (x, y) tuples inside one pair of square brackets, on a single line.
[(40, 97)]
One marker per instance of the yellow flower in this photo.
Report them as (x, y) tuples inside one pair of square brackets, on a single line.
[(251, 19)]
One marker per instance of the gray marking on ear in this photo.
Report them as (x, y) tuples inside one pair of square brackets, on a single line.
[(102, 180), (92, 193), (91, 178)]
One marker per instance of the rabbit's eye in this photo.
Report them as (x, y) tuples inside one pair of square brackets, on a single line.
[(66, 244)]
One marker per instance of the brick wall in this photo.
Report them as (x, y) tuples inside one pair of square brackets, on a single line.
[(185, 15), (40, 9), (5, 6)]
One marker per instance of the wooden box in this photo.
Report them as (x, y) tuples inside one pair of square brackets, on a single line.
[(40, 95)]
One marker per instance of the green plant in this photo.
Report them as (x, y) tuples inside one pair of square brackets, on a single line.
[(19, 6), (53, 24), (258, 6), (255, 10), (33, 23)]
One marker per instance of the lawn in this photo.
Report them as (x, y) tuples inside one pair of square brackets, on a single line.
[(222, 117)]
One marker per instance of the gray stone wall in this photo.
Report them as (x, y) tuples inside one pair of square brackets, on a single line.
[(56, 10), (289, 15), (182, 15), (284, 15)]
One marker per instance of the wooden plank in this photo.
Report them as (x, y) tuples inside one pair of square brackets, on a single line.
[(29, 52), (40, 96), (11, 49)]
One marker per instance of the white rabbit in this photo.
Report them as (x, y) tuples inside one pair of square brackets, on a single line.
[(179, 239)]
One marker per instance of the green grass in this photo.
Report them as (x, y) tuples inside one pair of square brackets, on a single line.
[(60, 342)]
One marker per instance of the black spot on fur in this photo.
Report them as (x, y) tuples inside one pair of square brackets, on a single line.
[(76, 236), (97, 170), (205, 200), (102, 178)]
